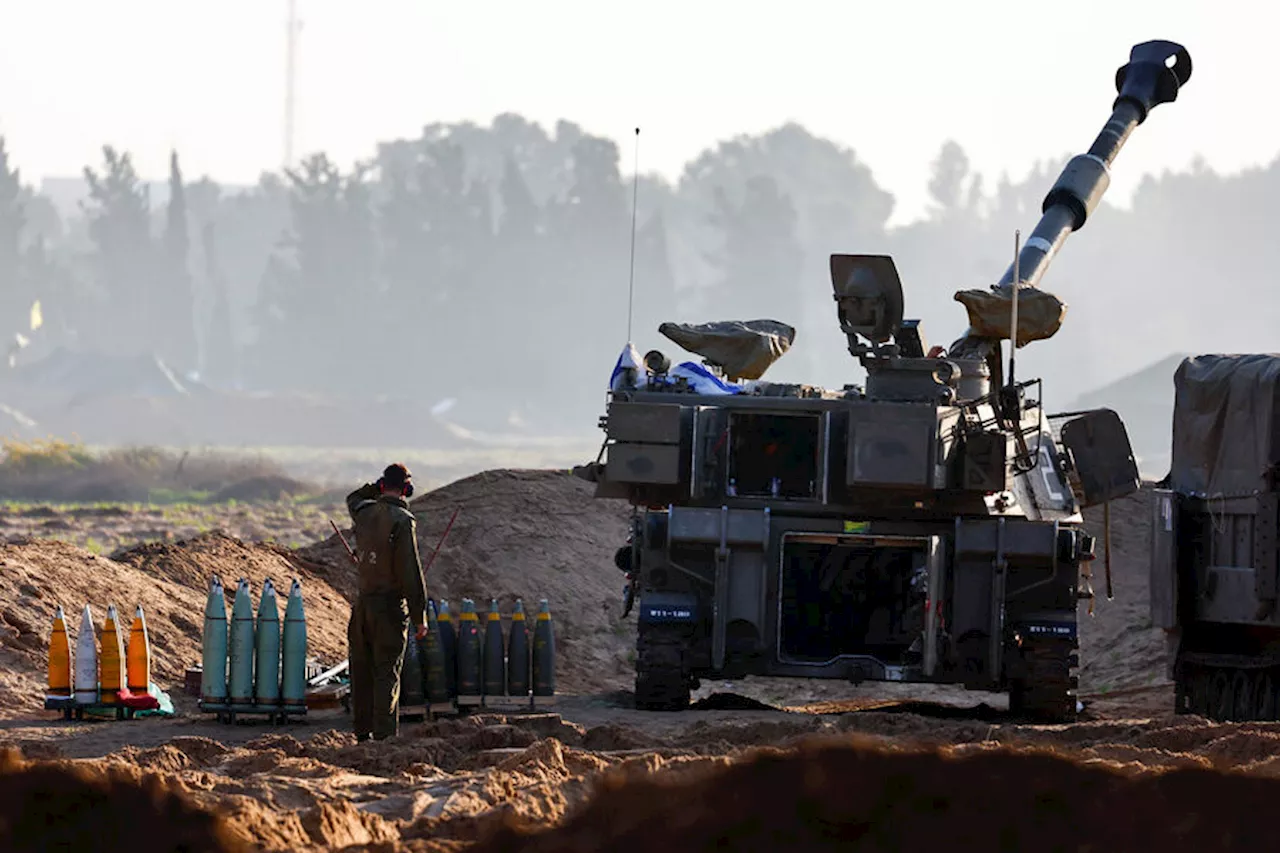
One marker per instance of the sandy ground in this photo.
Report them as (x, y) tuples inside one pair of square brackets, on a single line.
[(488, 778)]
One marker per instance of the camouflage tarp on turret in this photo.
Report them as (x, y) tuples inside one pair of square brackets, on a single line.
[(1040, 313), (744, 349)]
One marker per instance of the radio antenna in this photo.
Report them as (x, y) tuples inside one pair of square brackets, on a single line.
[(635, 191), (1013, 320)]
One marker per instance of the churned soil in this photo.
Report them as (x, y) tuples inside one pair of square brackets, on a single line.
[(862, 794), (748, 781)]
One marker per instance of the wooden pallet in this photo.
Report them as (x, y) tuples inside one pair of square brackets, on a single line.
[(328, 697)]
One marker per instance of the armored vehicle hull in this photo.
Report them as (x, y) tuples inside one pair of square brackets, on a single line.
[(852, 539), (1215, 534), (926, 527)]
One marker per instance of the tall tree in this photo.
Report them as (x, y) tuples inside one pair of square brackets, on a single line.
[(319, 304), (219, 362), (437, 232), (250, 226), (124, 267), (177, 295), (949, 171), (760, 260), (590, 229), (14, 292), (520, 220), (524, 260)]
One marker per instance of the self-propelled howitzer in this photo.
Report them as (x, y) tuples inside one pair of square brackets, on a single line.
[(926, 527)]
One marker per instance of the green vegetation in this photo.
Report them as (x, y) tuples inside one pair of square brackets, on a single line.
[(64, 472)]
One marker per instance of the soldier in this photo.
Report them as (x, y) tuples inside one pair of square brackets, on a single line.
[(391, 594)]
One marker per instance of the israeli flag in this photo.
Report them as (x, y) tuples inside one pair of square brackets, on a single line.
[(703, 381), (629, 359)]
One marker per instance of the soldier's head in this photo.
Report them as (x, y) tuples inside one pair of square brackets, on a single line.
[(396, 480)]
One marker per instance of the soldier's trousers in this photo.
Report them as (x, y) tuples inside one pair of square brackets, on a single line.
[(376, 636)]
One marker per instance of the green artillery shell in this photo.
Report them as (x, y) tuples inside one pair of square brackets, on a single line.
[(518, 655), (213, 652), (449, 647), (544, 653), (293, 650), (469, 664), (242, 646), (495, 665), (436, 682), (411, 692), (267, 648)]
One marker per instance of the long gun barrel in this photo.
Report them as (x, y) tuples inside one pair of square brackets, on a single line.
[(1154, 74)]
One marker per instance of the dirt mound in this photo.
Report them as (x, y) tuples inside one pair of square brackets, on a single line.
[(63, 806), (169, 581), (864, 796), (527, 534), (879, 780)]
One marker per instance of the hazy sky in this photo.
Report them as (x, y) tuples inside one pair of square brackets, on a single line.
[(1012, 82)]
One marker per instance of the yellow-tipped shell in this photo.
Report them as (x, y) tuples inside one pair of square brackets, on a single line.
[(59, 658), (138, 657), (111, 663)]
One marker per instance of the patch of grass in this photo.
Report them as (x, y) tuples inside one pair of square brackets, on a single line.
[(44, 455)]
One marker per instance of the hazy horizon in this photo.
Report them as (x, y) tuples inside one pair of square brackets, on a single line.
[(886, 80), (498, 252)]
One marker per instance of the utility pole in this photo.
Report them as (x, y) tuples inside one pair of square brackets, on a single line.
[(291, 45)]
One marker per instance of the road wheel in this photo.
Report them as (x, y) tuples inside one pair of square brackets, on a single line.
[(1220, 701), (1264, 696), (661, 683), (1047, 693), (1242, 696)]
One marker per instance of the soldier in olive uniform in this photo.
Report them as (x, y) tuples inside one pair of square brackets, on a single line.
[(391, 595)]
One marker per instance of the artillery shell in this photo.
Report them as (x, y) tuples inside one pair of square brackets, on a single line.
[(241, 686), (495, 664), (138, 655), (469, 654), (411, 688), (293, 650), (213, 652), (544, 656), (449, 648), (436, 682), (59, 658), (518, 655), (266, 648), (86, 661), (111, 660)]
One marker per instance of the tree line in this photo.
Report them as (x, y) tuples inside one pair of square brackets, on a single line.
[(493, 260)]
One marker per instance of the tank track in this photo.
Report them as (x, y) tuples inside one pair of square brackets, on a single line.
[(661, 681), (1226, 693), (1047, 692)]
